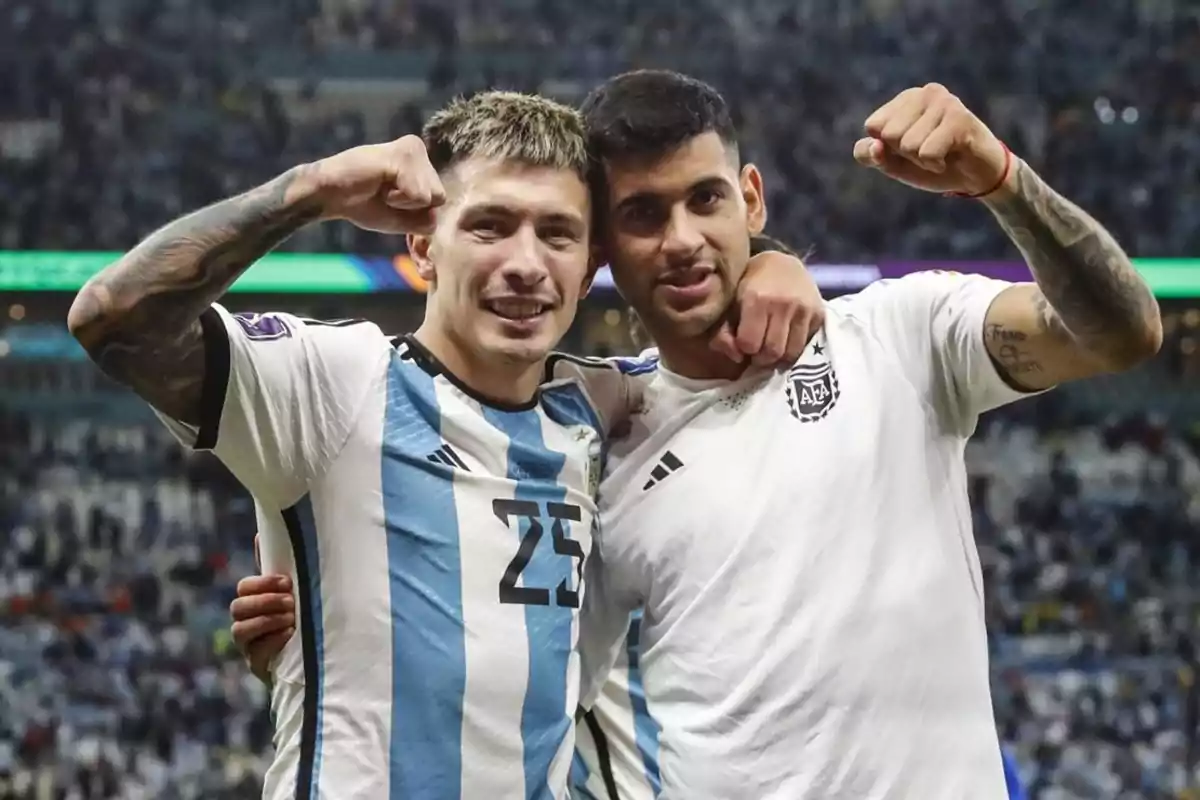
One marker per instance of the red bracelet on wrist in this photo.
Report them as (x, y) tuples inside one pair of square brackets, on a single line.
[(1008, 161)]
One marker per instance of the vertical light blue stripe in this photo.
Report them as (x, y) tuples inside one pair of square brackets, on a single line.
[(579, 777), (567, 405), (545, 719), (645, 727), (315, 610), (424, 568)]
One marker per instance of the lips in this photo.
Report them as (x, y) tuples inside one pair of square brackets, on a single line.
[(517, 309), (683, 278)]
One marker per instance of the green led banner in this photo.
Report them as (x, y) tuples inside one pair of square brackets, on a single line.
[(34, 271), (1171, 277), (278, 273)]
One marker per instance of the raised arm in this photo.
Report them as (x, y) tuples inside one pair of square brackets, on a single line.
[(139, 319), (1089, 311)]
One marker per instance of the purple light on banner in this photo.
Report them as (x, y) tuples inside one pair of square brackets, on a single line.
[(836, 277), (1014, 271)]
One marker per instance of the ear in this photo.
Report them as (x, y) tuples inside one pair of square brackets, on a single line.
[(418, 249), (756, 202)]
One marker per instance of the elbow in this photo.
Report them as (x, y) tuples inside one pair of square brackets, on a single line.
[(1147, 339), (91, 316), (1153, 336), (85, 315), (1139, 344)]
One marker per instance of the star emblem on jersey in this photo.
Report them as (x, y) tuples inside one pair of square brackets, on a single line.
[(812, 385)]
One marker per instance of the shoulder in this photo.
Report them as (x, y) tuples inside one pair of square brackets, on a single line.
[(916, 289), (564, 366), (893, 292), (612, 387), (280, 326), (916, 304), (602, 379)]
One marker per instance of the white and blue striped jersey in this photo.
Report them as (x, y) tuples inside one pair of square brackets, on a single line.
[(437, 543), (616, 747)]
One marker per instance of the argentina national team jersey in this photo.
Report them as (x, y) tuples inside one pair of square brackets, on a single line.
[(437, 542), (616, 747)]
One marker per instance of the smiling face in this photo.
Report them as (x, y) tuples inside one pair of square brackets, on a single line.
[(679, 209), (678, 233), (509, 258)]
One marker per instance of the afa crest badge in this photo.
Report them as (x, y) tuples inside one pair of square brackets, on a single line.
[(812, 386)]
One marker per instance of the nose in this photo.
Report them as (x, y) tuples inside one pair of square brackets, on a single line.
[(682, 238), (525, 266)]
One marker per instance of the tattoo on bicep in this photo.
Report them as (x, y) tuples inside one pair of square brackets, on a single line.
[(144, 311), (166, 372), (1091, 291), (1011, 351)]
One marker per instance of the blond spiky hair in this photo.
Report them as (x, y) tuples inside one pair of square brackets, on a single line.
[(507, 125)]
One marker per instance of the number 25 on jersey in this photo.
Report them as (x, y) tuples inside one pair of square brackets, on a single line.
[(531, 511)]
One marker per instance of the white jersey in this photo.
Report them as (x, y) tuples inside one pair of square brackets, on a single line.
[(801, 542), (437, 543)]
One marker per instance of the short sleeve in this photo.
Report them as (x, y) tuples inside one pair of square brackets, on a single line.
[(935, 322), (280, 396)]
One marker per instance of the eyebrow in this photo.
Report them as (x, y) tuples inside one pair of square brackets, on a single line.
[(709, 182), (499, 210)]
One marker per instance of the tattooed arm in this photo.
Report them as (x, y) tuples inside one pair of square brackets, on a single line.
[(1089, 312), (139, 319)]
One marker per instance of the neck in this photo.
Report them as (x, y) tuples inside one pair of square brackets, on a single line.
[(694, 358), (503, 381)]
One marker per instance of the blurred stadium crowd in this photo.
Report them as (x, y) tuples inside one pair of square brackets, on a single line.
[(139, 109), (120, 552)]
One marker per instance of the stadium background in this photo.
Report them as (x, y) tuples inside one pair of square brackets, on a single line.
[(119, 552)]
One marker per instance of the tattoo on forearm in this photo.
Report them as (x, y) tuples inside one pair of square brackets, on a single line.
[(139, 318), (1090, 291)]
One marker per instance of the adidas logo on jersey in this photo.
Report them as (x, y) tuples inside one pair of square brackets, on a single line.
[(446, 455), (667, 465)]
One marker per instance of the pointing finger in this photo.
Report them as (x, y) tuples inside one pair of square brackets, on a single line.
[(723, 342)]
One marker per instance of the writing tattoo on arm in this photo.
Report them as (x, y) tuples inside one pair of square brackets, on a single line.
[(139, 319), (1010, 348)]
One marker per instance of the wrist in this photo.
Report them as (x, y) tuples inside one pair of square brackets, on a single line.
[(302, 187), (1003, 176), (1009, 187)]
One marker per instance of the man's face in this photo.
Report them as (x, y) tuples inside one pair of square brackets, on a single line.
[(509, 258), (678, 234)]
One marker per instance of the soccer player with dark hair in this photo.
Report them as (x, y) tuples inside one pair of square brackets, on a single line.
[(799, 543)]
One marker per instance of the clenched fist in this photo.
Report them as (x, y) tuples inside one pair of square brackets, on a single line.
[(928, 139), (389, 188)]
